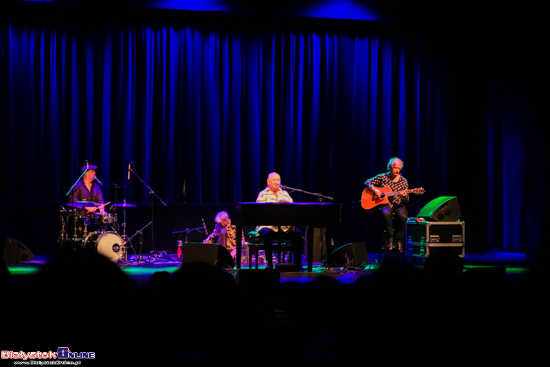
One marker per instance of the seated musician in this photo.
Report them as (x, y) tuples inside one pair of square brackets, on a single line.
[(397, 183), (88, 190), (225, 233), (273, 193)]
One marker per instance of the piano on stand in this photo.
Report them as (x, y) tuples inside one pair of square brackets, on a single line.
[(310, 215)]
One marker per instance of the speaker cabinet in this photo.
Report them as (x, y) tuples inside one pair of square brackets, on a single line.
[(441, 209), (14, 252), (207, 253)]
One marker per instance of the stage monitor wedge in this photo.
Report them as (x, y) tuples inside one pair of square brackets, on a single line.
[(441, 209), (207, 253), (14, 252)]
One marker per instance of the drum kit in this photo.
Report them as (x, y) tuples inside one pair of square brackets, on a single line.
[(94, 232), (98, 232)]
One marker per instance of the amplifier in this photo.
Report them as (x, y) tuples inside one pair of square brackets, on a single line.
[(425, 238)]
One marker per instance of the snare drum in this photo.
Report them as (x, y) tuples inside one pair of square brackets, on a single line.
[(101, 222), (109, 219), (108, 244), (96, 220)]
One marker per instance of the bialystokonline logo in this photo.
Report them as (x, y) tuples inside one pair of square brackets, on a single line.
[(62, 353)]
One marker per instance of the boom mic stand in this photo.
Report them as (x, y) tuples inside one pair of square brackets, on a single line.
[(140, 232), (151, 192), (321, 198), (186, 231), (72, 187)]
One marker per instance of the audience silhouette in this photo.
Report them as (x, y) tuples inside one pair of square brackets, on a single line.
[(203, 314)]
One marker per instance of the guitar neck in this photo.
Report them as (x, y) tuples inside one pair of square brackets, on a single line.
[(397, 192)]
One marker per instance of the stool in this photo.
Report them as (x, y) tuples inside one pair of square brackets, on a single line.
[(255, 245), (394, 245)]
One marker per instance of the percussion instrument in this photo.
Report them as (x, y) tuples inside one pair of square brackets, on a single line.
[(108, 244), (124, 205), (77, 225), (83, 204)]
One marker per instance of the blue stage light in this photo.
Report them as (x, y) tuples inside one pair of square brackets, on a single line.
[(341, 9), (192, 5)]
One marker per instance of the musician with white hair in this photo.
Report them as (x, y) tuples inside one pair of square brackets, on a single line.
[(273, 193), (225, 233), (396, 206)]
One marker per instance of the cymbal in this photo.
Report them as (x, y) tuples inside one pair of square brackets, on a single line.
[(124, 205), (83, 204)]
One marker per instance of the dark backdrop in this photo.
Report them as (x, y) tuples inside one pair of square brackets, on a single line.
[(204, 112)]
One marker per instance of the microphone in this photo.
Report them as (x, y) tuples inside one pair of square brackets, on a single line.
[(97, 179), (280, 185), (204, 225), (129, 169)]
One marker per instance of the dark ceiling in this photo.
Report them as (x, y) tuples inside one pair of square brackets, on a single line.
[(488, 38)]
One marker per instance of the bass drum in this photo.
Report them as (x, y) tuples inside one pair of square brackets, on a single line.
[(108, 244)]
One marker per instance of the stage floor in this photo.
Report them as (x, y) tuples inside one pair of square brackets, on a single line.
[(515, 267)]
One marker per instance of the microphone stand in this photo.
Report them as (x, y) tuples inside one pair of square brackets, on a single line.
[(155, 254), (321, 198), (186, 231), (72, 187), (140, 232), (189, 230)]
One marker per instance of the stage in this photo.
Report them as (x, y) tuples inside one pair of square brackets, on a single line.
[(514, 266)]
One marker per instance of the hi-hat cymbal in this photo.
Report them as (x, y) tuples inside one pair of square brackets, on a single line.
[(83, 204), (124, 205)]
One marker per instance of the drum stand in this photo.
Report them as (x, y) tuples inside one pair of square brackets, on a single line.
[(125, 239), (62, 229)]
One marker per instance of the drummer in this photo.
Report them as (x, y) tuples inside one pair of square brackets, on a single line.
[(88, 190)]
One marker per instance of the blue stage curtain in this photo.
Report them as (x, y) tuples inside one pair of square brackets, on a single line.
[(513, 164), (215, 110), (205, 114)]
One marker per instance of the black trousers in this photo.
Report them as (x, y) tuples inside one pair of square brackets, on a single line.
[(294, 236), (400, 214)]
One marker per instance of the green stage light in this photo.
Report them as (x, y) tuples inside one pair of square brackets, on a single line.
[(22, 270), (136, 271)]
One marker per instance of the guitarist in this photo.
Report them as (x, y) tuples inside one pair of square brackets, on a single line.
[(396, 207)]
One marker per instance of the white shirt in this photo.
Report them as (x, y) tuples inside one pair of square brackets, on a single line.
[(268, 196)]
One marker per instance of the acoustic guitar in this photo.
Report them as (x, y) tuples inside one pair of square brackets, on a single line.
[(368, 202)]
